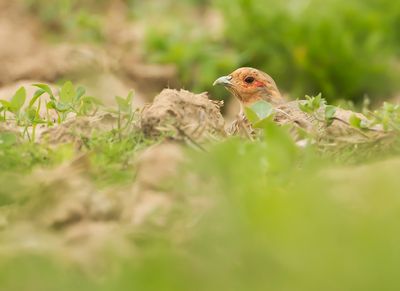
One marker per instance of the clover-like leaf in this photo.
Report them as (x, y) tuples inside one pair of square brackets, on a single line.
[(67, 93), (258, 111), (330, 111), (355, 121)]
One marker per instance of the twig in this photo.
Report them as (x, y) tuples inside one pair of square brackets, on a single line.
[(180, 131)]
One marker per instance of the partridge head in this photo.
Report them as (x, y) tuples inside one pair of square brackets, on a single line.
[(250, 85)]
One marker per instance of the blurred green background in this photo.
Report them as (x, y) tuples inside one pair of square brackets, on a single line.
[(343, 49)]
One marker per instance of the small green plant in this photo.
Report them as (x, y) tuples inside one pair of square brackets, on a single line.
[(330, 111), (69, 101), (124, 112), (388, 116), (14, 105), (356, 122), (28, 117), (313, 104)]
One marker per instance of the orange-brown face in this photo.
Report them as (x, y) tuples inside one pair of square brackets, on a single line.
[(250, 85)]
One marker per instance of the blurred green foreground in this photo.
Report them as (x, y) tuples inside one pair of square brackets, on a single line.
[(279, 219)]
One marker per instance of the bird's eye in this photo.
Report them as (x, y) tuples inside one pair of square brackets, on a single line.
[(249, 80)]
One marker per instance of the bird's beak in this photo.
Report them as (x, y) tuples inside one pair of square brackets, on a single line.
[(224, 81)]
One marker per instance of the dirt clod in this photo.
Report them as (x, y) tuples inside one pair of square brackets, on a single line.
[(184, 114)]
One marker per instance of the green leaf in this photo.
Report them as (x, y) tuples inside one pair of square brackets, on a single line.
[(6, 104), (304, 107), (330, 111), (45, 88), (51, 105), (280, 147), (123, 105), (129, 98), (79, 93), (67, 93), (62, 107), (355, 121), (31, 114), (312, 104), (258, 111), (36, 96), (317, 101), (251, 115), (18, 100), (264, 122), (92, 100), (262, 108)]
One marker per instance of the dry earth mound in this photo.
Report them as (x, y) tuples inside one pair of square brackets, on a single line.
[(188, 115)]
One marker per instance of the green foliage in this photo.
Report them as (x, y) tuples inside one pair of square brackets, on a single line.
[(281, 219), (69, 101), (330, 111), (125, 113), (111, 152), (112, 155), (18, 100), (355, 121), (312, 104), (388, 116), (259, 113), (192, 49), (22, 157), (76, 19), (125, 104), (284, 225), (344, 49), (7, 139)]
